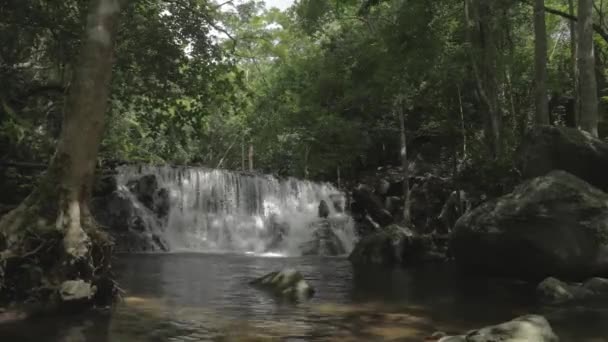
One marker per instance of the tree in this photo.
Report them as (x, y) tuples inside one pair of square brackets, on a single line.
[(574, 63), (56, 216), (482, 35), (540, 63), (586, 65), (398, 109)]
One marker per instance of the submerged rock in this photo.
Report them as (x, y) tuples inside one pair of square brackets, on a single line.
[(287, 284), (548, 148), (555, 291), (529, 328), (555, 225)]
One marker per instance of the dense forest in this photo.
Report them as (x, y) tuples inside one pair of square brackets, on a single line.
[(311, 90), (418, 110)]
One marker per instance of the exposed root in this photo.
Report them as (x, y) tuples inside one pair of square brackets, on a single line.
[(36, 258)]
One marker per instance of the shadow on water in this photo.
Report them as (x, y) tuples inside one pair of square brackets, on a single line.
[(197, 297)]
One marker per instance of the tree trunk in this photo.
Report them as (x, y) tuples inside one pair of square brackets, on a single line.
[(586, 65), (338, 177), (398, 108), (243, 152), (481, 34), (250, 157), (57, 212), (540, 63), (306, 155), (573, 56), (462, 125)]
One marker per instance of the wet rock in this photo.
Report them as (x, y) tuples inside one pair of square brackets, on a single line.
[(384, 247), (324, 241), (323, 209), (76, 290), (368, 202), (162, 203), (427, 197), (555, 225), (455, 206), (144, 189), (116, 211), (395, 245), (598, 286), (525, 328), (548, 148), (338, 202), (277, 231), (382, 186), (555, 291), (287, 284)]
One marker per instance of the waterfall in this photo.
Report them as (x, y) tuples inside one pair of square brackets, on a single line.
[(208, 210)]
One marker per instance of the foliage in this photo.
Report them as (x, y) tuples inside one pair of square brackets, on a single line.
[(311, 89)]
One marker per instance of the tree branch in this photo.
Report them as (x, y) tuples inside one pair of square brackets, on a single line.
[(597, 28)]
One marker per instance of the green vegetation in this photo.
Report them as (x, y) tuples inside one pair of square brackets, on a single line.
[(309, 92)]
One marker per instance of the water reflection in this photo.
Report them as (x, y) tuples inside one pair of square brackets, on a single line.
[(194, 297)]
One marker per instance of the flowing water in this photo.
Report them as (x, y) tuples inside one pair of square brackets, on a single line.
[(219, 210), (205, 297)]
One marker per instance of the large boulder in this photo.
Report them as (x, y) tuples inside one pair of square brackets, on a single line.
[(286, 284), (548, 148), (529, 328), (324, 241), (554, 225)]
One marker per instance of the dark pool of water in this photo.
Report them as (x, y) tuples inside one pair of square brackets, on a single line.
[(199, 297)]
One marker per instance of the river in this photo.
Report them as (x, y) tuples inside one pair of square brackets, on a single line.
[(206, 297)]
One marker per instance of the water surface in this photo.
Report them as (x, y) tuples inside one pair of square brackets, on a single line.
[(205, 297)]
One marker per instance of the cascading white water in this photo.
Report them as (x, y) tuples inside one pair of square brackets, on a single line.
[(219, 210)]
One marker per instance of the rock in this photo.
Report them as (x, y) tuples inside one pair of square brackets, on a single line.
[(598, 286), (382, 186), (395, 245), (529, 328), (162, 203), (427, 197), (76, 290), (548, 148), (383, 247), (287, 284), (365, 226), (455, 206), (277, 230), (323, 209), (116, 211), (324, 241), (555, 291), (144, 189), (369, 203), (555, 225), (338, 202)]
